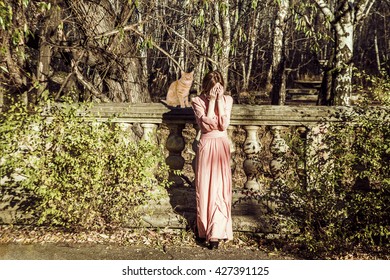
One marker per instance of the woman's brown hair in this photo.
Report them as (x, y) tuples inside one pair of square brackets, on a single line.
[(210, 80)]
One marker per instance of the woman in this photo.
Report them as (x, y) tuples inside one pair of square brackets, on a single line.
[(213, 178)]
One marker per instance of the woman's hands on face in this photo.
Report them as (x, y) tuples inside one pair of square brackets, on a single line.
[(216, 92)]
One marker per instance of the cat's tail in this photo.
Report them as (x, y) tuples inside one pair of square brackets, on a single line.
[(165, 102)]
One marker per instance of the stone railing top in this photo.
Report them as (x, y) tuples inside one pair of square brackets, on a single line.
[(241, 114)]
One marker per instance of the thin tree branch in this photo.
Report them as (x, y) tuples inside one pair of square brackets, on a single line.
[(116, 31), (190, 44), (364, 9), (63, 85), (87, 84), (325, 9), (133, 29)]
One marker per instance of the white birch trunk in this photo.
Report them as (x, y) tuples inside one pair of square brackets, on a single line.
[(344, 20), (377, 53), (143, 51), (226, 41), (343, 63), (222, 20), (278, 92), (252, 42)]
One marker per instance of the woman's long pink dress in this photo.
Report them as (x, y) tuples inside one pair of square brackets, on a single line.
[(213, 178)]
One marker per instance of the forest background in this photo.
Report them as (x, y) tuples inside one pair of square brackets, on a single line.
[(130, 51)]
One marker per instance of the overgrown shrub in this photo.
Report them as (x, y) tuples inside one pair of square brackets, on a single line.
[(77, 173), (340, 202), (372, 87)]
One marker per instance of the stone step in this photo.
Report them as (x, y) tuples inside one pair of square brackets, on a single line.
[(302, 91), (304, 97)]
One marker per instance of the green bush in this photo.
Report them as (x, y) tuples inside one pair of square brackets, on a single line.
[(340, 202), (77, 173), (372, 87)]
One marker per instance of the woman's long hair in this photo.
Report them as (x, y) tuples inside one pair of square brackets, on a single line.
[(210, 80)]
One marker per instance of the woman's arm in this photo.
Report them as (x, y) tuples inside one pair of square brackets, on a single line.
[(224, 104), (219, 96), (205, 123), (214, 93), (205, 115), (221, 107)]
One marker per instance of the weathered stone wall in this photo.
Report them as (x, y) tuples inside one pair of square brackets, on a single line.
[(177, 209)]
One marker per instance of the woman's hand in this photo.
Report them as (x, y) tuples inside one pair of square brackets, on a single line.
[(216, 92), (213, 93), (220, 91)]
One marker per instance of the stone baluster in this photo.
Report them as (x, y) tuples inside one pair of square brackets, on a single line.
[(149, 132), (126, 127), (302, 153), (175, 145), (252, 148), (279, 149)]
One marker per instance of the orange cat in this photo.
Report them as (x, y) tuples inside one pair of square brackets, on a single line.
[(179, 91)]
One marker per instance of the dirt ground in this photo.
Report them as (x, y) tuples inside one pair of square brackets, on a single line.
[(54, 251), (30, 243), (39, 243)]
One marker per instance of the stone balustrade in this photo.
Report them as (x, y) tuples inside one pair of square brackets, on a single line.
[(255, 120), (248, 117)]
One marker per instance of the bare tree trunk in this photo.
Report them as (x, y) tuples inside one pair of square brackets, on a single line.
[(325, 96), (114, 57), (343, 63), (181, 58), (343, 20), (201, 67), (226, 40), (377, 54), (143, 51), (12, 53), (251, 49), (222, 18), (48, 35), (278, 92)]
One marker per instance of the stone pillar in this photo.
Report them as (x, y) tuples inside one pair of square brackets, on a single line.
[(175, 145), (279, 149), (252, 148), (149, 132)]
